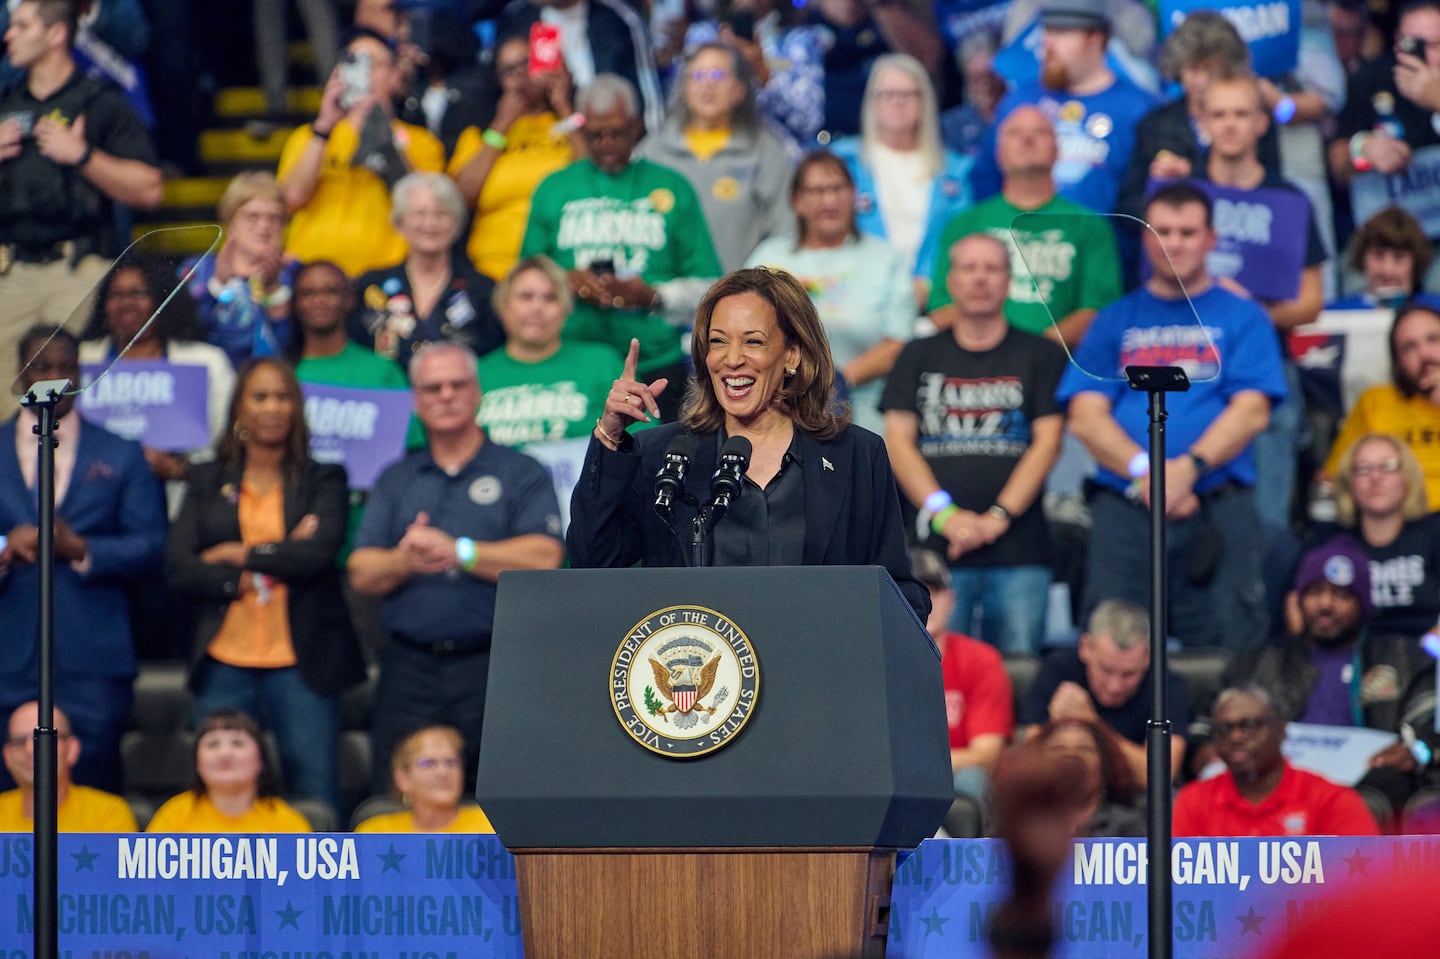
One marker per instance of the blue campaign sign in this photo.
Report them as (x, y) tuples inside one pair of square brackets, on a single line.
[(1261, 238), (238, 897), (1231, 896), (1271, 28)]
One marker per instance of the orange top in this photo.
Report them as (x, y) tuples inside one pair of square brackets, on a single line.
[(256, 630)]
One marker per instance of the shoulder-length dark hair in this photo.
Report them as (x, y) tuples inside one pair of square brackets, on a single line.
[(825, 160), (237, 720), (808, 397), (230, 449), (176, 320)]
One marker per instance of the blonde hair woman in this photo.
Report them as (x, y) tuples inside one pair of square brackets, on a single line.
[(428, 768)]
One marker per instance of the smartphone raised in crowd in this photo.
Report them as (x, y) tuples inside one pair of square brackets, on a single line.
[(355, 75), (545, 51)]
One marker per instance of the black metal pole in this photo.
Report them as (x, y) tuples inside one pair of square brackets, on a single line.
[(1157, 731), (42, 397)]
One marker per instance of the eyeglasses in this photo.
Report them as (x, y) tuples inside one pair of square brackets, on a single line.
[(713, 75), (1249, 725), (435, 762), (607, 136), (825, 189), (1387, 466)]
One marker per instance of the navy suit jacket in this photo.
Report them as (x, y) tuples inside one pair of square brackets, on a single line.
[(852, 511), (118, 506)]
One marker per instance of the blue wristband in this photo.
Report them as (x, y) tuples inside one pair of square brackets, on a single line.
[(465, 553)]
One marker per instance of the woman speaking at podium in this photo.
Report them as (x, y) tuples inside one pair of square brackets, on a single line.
[(807, 489)]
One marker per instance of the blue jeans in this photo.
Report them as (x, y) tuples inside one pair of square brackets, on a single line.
[(1014, 600), (1228, 611), (306, 724)]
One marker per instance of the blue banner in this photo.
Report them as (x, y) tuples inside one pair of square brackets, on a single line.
[(1415, 188), (361, 428), (1271, 28), (1231, 896), (162, 405), (241, 897)]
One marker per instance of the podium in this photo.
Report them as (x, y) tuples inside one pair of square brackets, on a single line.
[(780, 840)]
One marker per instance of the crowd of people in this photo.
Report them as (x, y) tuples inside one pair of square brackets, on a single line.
[(807, 225)]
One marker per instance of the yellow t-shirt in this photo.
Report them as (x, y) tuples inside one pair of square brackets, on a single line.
[(503, 209), (1414, 421), (188, 812), (84, 810), (348, 217), (471, 819)]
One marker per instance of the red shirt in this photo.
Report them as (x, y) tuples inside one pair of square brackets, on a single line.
[(978, 696), (1303, 804)]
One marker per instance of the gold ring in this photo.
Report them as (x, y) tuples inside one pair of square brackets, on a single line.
[(629, 398)]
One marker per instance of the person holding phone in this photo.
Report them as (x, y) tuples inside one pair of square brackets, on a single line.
[(535, 131), (337, 171), (1390, 102)]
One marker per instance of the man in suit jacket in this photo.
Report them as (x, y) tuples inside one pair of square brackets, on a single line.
[(109, 529)]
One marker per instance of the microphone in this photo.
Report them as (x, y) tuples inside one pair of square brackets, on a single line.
[(670, 481), (728, 480)]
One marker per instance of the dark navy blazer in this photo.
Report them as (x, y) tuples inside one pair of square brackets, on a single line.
[(852, 511), (117, 505)]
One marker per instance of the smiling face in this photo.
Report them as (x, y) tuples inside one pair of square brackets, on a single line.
[(129, 302), (1331, 614), (228, 761), (1389, 272), (267, 408), (434, 773), (322, 299), (428, 225), (746, 358)]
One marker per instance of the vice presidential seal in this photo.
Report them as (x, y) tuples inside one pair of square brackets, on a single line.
[(684, 681)]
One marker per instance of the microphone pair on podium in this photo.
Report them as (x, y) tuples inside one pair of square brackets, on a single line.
[(725, 484)]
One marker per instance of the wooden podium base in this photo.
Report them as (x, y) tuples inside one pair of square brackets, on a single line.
[(667, 903)]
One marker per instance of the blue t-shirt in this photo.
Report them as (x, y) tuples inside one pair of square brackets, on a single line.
[(499, 494), (1235, 351), (1095, 134)]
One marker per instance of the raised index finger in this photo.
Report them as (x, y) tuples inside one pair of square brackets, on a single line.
[(632, 359)]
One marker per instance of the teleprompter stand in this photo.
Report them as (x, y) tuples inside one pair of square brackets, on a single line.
[(780, 843), (1157, 381)]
